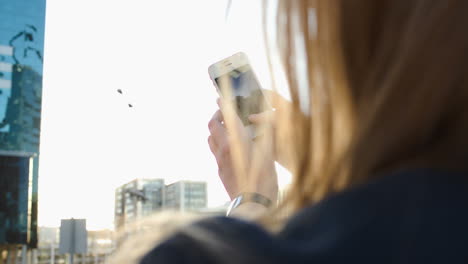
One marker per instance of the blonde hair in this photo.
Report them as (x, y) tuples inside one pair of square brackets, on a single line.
[(387, 89)]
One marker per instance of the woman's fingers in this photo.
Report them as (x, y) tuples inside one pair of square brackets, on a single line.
[(217, 130), (261, 118), (234, 152), (231, 119), (218, 139), (279, 104), (212, 145), (217, 116)]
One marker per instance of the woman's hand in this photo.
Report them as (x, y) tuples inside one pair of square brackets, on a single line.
[(276, 119), (243, 165)]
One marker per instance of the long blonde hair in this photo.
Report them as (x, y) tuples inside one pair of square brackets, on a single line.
[(387, 89)]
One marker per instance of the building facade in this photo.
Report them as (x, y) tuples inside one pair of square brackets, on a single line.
[(21, 59), (185, 196), (143, 197), (136, 199)]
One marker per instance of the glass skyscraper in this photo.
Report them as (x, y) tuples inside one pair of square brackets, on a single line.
[(21, 59)]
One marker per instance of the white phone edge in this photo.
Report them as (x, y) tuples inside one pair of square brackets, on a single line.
[(225, 66)]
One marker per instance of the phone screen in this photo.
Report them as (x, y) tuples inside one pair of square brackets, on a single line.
[(245, 92)]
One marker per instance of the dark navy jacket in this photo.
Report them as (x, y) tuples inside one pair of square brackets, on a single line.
[(409, 217)]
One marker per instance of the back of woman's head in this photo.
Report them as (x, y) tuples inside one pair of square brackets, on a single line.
[(385, 85)]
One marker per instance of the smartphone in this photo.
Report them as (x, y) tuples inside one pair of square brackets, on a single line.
[(235, 80)]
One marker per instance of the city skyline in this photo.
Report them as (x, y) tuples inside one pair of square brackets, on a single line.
[(158, 56), (142, 198)]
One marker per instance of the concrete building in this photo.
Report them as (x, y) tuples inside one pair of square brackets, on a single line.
[(143, 197), (138, 198), (185, 196)]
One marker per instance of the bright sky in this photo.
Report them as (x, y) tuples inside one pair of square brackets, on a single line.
[(157, 53)]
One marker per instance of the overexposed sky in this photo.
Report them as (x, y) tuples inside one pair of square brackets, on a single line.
[(157, 53)]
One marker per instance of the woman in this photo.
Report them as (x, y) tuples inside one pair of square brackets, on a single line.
[(376, 137)]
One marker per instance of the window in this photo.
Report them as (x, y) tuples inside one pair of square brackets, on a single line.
[(21, 54)]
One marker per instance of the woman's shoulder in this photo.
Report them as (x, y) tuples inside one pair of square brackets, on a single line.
[(392, 196), (215, 240), (402, 215)]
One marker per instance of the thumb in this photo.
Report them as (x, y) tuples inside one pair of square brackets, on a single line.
[(264, 117)]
